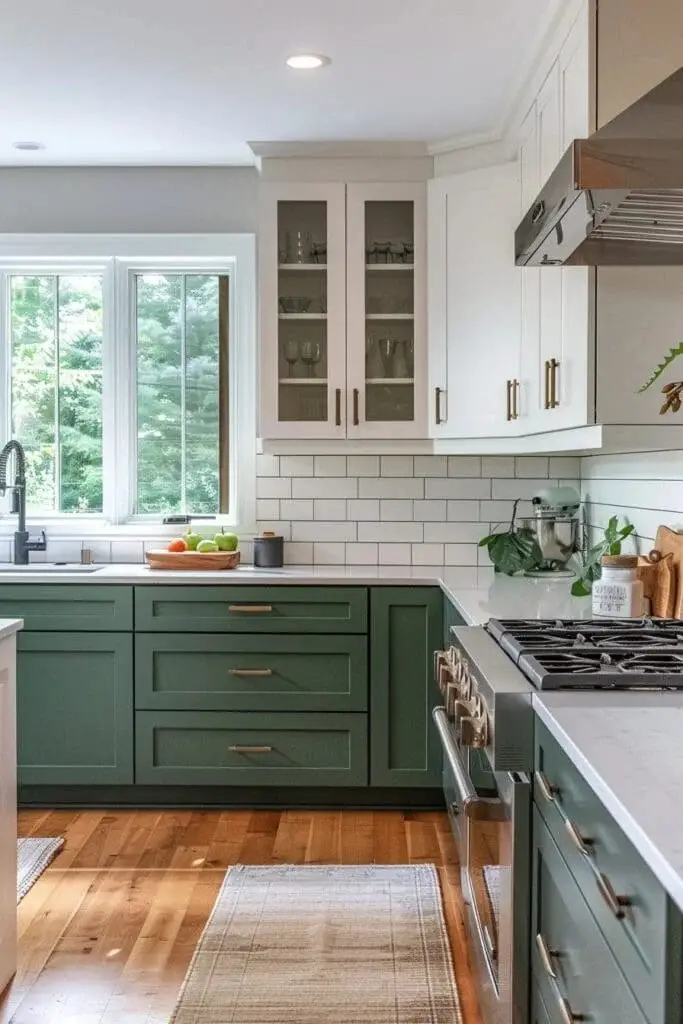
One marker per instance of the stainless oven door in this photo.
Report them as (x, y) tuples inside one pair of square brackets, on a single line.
[(489, 814)]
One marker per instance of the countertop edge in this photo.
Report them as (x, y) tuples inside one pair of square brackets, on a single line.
[(664, 871), (8, 627)]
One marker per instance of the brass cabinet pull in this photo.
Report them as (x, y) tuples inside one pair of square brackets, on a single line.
[(438, 392), (615, 902), (515, 395), (554, 400), (508, 415), (547, 789), (250, 672), (255, 609), (546, 402), (356, 421), (568, 1017), (337, 407), (237, 748), (580, 842), (546, 956)]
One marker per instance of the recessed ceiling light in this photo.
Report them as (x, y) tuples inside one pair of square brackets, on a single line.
[(307, 61), (28, 146)]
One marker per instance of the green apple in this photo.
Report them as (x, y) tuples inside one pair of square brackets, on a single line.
[(192, 539), (205, 546), (226, 541)]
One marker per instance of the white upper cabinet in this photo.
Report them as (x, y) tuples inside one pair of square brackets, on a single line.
[(474, 314), (343, 310)]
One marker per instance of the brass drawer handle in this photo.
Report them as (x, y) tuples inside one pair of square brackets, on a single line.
[(580, 842), (547, 789), (337, 407), (508, 411), (239, 749), (515, 395), (256, 609), (250, 671), (546, 956), (554, 400), (568, 1017), (546, 402), (438, 392), (615, 902), (356, 419)]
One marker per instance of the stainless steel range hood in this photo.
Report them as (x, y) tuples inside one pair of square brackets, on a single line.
[(615, 199)]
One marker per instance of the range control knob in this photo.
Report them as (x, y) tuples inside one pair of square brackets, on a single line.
[(474, 731)]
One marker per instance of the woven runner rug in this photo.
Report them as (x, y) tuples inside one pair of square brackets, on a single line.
[(323, 945), (33, 856)]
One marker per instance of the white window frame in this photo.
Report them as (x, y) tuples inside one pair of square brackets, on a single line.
[(118, 258)]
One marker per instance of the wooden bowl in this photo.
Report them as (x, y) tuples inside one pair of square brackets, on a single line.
[(193, 559)]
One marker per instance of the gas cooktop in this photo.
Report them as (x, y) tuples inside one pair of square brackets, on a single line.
[(592, 653)]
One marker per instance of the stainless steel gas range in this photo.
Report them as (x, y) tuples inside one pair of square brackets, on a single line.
[(487, 678)]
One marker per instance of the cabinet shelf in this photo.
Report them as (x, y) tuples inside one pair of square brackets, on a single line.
[(384, 267), (302, 316), (389, 316), (390, 380), (299, 267), (321, 381)]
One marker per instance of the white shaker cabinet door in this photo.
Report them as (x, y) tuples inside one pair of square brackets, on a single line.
[(475, 301), (8, 812)]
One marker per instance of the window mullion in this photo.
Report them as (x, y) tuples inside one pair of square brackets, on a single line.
[(183, 393), (58, 444)]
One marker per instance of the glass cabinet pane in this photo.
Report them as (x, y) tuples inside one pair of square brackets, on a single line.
[(389, 310), (302, 311)]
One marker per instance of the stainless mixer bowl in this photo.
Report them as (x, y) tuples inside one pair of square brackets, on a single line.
[(556, 536)]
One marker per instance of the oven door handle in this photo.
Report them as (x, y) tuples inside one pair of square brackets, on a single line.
[(473, 806)]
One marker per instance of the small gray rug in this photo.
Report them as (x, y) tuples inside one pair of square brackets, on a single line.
[(323, 945), (33, 856)]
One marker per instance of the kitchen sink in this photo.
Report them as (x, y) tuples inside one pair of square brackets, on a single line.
[(48, 567)]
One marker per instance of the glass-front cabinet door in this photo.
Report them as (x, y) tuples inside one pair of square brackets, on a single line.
[(303, 272), (386, 320)]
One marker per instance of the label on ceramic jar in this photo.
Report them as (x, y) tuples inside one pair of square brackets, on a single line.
[(614, 599)]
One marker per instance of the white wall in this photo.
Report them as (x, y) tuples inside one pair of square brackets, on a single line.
[(128, 199)]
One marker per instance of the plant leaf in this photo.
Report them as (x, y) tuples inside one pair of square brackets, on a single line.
[(673, 353), (580, 588)]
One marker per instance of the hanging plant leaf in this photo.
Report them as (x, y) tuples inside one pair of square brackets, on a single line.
[(513, 550), (673, 353)]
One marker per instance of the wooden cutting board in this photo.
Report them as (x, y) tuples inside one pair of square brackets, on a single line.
[(193, 559), (671, 543)]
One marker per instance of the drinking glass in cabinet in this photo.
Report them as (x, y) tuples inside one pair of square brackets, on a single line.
[(290, 351), (299, 247), (310, 356), (387, 348)]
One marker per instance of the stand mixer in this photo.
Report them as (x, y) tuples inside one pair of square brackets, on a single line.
[(555, 526)]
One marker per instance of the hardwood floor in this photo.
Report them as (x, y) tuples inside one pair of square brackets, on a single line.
[(107, 933)]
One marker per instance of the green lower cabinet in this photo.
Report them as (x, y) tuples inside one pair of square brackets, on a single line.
[(218, 672), (218, 748), (539, 1013), (71, 607), (406, 627), (75, 708)]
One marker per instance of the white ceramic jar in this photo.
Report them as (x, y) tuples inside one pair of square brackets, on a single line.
[(618, 594)]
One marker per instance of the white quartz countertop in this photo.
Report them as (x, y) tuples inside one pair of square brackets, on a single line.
[(10, 626), (627, 746), (504, 598)]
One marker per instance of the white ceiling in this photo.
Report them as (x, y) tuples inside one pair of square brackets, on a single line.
[(172, 82)]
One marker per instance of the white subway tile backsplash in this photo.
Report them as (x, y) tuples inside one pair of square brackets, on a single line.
[(127, 551), (298, 553), (396, 509), (330, 465), (324, 487), (394, 554), (565, 466), (468, 577), (463, 511), (64, 550), (361, 554), (362, 465), (299, 508), (391, 532), (501, 510), (362, 508), (328, 554), (268, 508), (397, 465), (497, 465), (318, 531), (100, 550), (296, 465), (531, 466), (427, 554), (518, 488), (458, 487), (391, 487), (267, 465), (329, 508), (431, 465), (273, 487), (454, 533), (432, 510), (6, 551), (464, 465), (462, 554), (281, 528)]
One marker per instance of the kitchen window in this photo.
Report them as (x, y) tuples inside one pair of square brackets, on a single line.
[(130, 376)]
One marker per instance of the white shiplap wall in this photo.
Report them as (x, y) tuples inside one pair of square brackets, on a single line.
[(644, 488)]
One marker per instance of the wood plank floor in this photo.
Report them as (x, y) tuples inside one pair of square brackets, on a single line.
[(107, 933)]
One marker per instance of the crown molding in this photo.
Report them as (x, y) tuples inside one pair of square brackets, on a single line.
[(457, 142), (349, 150)]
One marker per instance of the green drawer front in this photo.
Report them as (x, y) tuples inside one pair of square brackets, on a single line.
[(194, 748), (587, 975), (75, 708), (90, 608), (637, 938), (244, 609), (247, 673), (539, 1014)]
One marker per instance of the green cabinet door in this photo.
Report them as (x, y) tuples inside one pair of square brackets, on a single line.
[(405, 629), (76, 607), (75, 708)]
